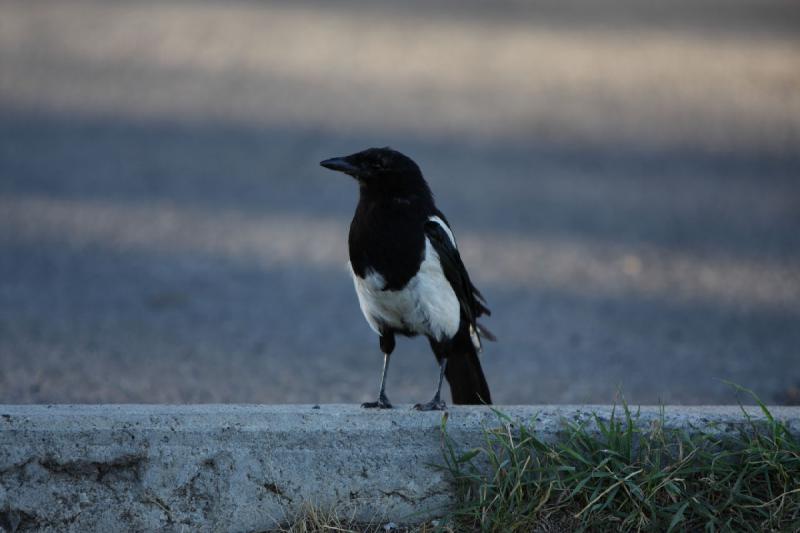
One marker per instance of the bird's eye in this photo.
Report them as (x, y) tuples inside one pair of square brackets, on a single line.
[(378, 164)]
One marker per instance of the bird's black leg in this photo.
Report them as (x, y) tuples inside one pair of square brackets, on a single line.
[(436, 404), (383, 401), (387, 346)]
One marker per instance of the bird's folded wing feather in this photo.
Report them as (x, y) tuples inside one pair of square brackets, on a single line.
[(471, 300)]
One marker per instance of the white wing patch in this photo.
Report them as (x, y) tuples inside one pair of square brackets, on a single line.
[(476, 339), (427, 305), (445, 227)]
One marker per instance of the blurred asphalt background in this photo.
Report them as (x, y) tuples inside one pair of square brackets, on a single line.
[(623, 177)]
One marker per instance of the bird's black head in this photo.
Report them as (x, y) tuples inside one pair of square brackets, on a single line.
[(381, 170)]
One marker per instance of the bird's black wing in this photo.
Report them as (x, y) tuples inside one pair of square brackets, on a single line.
[(471, 300)]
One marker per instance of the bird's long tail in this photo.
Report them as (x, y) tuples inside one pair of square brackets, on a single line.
[(464, 373)]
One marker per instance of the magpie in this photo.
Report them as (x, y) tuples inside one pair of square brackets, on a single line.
[(409, 276)]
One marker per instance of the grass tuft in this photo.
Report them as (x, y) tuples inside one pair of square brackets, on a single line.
[(621, 474), (316, 519)]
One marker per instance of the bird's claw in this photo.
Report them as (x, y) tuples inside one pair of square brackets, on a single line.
[(433, 405), (380, 404)]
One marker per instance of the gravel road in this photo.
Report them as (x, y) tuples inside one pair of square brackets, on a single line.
[(623, 178)]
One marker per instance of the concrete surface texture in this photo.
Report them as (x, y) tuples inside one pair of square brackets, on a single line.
[(622, 177), (249, 468)]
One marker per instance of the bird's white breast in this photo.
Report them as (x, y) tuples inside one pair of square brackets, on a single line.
[(427, 305)]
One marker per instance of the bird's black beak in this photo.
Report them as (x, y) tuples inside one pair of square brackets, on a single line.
[(340, 164)]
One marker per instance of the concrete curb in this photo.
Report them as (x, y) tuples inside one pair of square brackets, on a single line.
[(248, 468)]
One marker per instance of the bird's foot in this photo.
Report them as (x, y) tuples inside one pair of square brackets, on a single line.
[(434, 405), (382, 403)]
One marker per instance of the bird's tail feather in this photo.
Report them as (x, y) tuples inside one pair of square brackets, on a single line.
[(464, 373)]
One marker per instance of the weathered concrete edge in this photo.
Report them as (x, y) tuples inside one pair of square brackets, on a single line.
[(250, 467)]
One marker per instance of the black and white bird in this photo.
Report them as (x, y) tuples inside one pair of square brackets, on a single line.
[(409, 275)]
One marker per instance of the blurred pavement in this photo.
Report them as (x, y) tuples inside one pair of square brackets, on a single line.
[(623, 177)]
